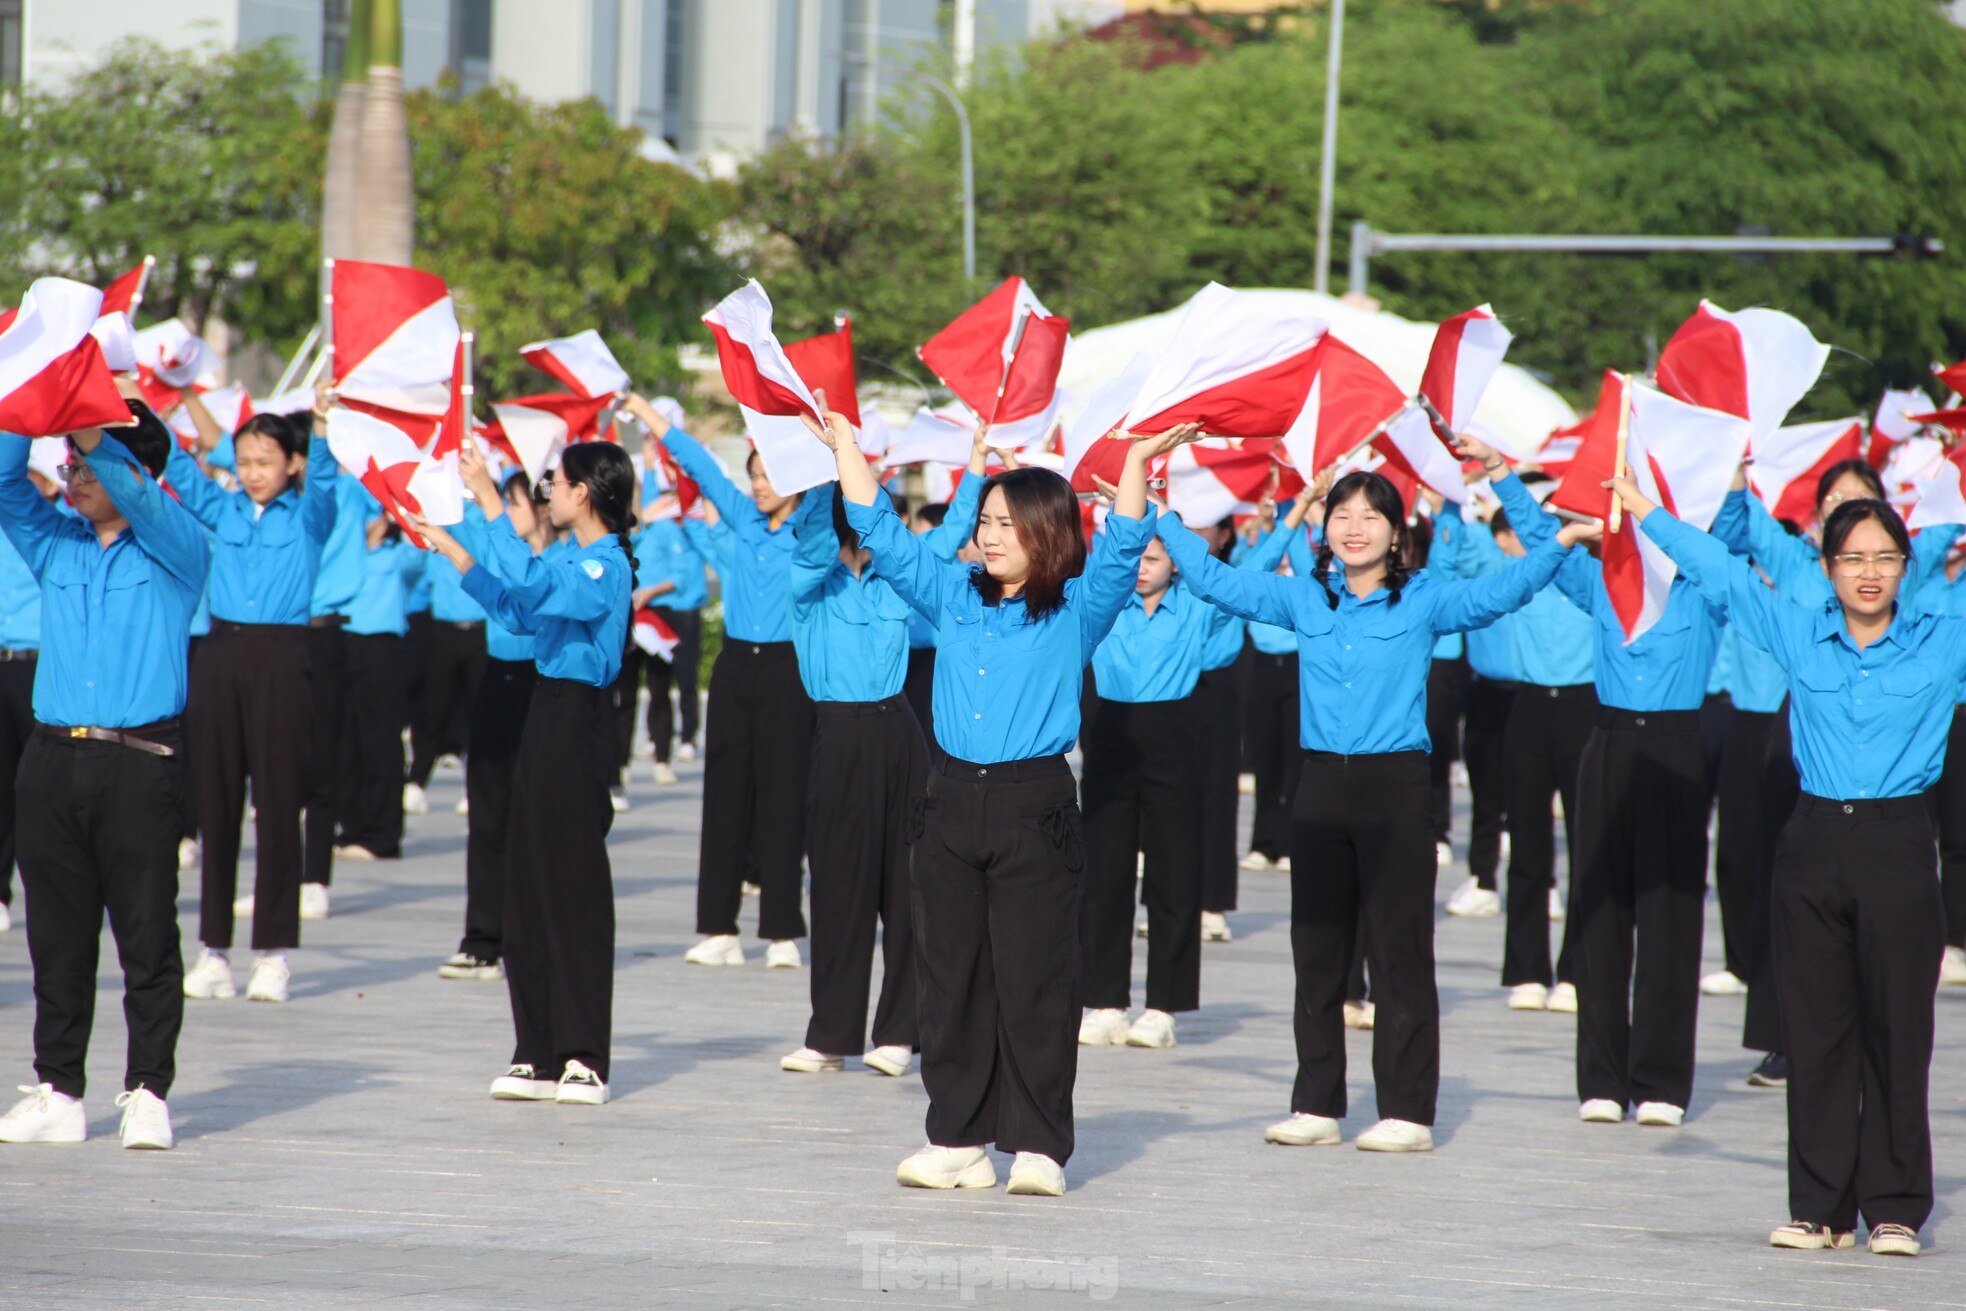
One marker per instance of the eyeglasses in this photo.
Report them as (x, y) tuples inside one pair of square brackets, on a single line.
[(76, 471), (1886, 564)]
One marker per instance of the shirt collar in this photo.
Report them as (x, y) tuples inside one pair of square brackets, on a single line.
[(1831, 628)]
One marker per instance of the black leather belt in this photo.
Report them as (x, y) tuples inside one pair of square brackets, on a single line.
[(136, 738), (10, 655)]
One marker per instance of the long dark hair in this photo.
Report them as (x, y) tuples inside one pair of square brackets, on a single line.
[(1844, 519), (1045, 512), (1382, 496), (607, 473), (1863, 472)]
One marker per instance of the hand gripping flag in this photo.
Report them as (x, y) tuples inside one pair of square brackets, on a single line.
[(394, 335), (769, 391), (397, 474), (52, 376), (1593, 458), (116, 328), (1753, 364), (1789, 461), (1001, 358), (582, 364)]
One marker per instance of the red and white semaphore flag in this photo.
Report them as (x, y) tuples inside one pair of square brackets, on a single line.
[(582, 364), (654, 635), (1207, 483), (396, 473), (1789, 461), (1893, 423), (229, 407), (1090, 448), (941, 436), (116, 328), (769, 391), (537, 428), (1467, 351), (1411, 443), (1001, 358), (394, 335), (1240, 366), (52, 376), (1351, 403), (1939, 492), (825, 363), (1754, 364)]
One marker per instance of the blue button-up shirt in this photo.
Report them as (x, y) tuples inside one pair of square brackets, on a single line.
[(1466, 549), (1552, 642), (501, 643), (344, 556), (574, 605), (946, 539), (851, 632), (264, 557), (1006, 687), (1865, 723), (20, 601), (1154, 657), (382, 606), (449, 603), (116, 620), (663, 554), (757, 584), (1363, 664), (1225, 632)]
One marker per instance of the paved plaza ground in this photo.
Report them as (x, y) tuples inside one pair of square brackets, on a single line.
[(340, 1151)]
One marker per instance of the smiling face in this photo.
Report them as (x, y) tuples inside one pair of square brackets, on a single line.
[(1867, 571), (1156, 570), (1359, 535), (1004, 556), (264, 467)]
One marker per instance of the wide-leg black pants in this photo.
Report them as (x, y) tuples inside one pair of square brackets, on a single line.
[(16, 729), (1949, 798), (373, 709), (1482, 738), (868, 772), (453, 661), (1543, 745), (998, 861), (1859, 931), (758, 749), (1217, 701), (666, 718), (1447, 698), (1270, 724), (1737, 859), (321, 804), (498, 723)]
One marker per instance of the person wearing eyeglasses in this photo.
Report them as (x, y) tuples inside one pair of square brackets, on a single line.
[(1857, 919), (100, 779)]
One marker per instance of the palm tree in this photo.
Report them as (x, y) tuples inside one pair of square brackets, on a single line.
[(385, 203), (344, 139)]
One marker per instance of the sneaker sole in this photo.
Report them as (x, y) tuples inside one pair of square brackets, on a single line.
[(1894, 1249), (148, 1145), (890, 1070), (1366, 1146), (1034, 1188), (1812, 1243), (446, 972), (265, 997), (807, 1067), (64, 1136), (226, 995), (1104, 1040), (1333, 1141), (582, 1099), (1154, 1042), (980, 1175), (547, 1094)]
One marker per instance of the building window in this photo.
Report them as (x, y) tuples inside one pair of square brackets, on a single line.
[(675, 39), (471, 44), (334, 38)]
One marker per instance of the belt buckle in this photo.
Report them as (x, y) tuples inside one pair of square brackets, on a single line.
[(78, 731)]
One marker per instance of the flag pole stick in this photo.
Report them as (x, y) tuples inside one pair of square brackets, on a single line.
[(325, 325), (143, 281), (300, 360), (1616, 515), (468, 390)]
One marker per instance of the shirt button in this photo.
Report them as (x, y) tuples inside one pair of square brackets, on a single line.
[(1866, 673), (1860, 700), (977, 715), (982, 772), (1348, 646), (982, 671), (1641, 678), (1640, 721), (1348, 685)]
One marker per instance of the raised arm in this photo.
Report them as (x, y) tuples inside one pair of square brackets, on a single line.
[(30, 523), (916, 573), (163, 529), (1725, 580), (1782, 556), (1263, 597), (1462, 605), (317, 499), (562, 588), (959, 522), (1112, 570), (698, 463), (818, 546), (195, 490)]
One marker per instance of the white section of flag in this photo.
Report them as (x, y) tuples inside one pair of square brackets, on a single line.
[(1222, 336)]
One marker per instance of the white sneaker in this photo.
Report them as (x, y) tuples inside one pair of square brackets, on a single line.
[(1529, 997), (146, 1121), (686, 752), (313, 901), (1246, 785), (1396, 1136), (415, 800), (1255, 862), (750, 889), (1152, 1029), (269, 978), (211, 978), (719, 949), (1215, 927), (1473, 901), (1563, 998), (1140, 929), (1283, 864), (353, 851), (1360, 1014), (618, 798), (1443, 855), (6, 917), (1104, 1027), (1601, 1110), (893, 1061), (807, 1061), (1304, 1130), (44, 1116), (521, 1083), (188, 853), (580, 1086), (1722, 983), (1033, 1174), (784, 955), (1662, 1115), (242, 907), (665, 774), (463, 806), (463, 965), (947, 1167), (1556, 903), (1952, 968), (449, 760)]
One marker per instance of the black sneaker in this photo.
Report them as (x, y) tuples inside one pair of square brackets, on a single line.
[(1773, 1072), (1808, 1236)]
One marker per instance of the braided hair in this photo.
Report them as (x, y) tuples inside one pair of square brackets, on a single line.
[(1381, 496), (605, 470)]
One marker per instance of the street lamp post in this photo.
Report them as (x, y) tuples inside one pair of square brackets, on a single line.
[(969, 175), (1328, 157)]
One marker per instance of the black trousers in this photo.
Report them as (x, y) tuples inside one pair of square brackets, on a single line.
[(1716, 713), (627, 686), (559, 888), (1447, 694), (188, 806), (1640, 874), (1359, 862), (868, 772), (1270, 728), (1217, 701), (1543, 745), (1488, 704), (1737, 860), (251, 710), (1949, 809), (327, 678), (374, 703), (1781, 788), (1142, 778), (920, 691), (758, 749), (498, 723), (16, 728), (453, 661), (1858, 937), (678, 675), (998, 862), (98, 832)]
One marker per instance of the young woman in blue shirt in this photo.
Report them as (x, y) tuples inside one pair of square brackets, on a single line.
[(376, 704), (1362, 853), (559, 887), (998, 856), (1858, 921)]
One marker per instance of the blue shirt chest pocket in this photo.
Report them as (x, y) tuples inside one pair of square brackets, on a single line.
[(1819, 679), (276, 528), (1907, 685)]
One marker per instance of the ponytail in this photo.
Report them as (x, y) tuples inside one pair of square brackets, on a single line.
[(609, 477)]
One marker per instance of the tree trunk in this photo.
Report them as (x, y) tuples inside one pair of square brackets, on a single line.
[(385, 215), (344, 140)]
